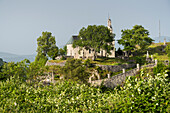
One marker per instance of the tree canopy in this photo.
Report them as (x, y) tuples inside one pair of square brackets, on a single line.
[(74, 69), (46, 46), (135, 38), (95, 37)]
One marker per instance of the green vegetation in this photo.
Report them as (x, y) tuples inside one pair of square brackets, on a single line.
[(63, 51), (22, 88), (75, 70), (135, 38), (1, 62), (96, 38), (56, 61), (46, 46), (167, 49), (158, 51), (137, 95)]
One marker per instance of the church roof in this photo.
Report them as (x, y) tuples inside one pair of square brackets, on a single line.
[(74, 37)]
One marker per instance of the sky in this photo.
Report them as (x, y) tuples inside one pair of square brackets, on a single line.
[(23, 21)]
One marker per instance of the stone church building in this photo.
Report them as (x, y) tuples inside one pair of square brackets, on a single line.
[(85, 54)]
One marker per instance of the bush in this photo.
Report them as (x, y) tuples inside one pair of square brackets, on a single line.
[(149, 94), (75, 70), (140, 60), (88, 63), (12, 69), (137, 95), (160, 68)]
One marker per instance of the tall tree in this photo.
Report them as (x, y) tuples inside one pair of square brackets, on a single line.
[(61, 52), (65, 50), (95, 37), (137, 37), (46, 46)]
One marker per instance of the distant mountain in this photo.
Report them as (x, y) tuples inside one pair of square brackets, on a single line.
[(4, 54), (161, 39), (9, 57)]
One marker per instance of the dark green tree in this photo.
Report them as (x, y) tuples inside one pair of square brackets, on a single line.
[(135, 38), (96, 38), (46, 46), (65, 50), (119, 51), (75, 70), (1, 62), (61, 52)]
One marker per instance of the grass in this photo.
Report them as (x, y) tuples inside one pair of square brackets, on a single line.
[(156, 50), (160, 57), (155, 45), (56, 61), (108, 61)]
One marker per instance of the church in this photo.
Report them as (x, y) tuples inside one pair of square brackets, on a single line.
[(88, 54)]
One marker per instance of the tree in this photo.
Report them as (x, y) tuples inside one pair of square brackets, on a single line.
[(95, 37), (1, 62), (75, 70), (119, 51), (46, 46), (61, 52), (15, 70), (65, 50), (167, 49), (137, 37)]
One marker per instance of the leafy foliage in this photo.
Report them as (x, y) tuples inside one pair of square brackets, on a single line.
[(95, 37), (1, 62), (88, 63), (61, 52), (160, 68), (46, 46), (12, 69), (119, 52), (140, 94), (75, 70), (136, 37), (167, 49)]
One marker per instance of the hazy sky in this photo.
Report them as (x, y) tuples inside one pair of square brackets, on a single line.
[(22, 21)]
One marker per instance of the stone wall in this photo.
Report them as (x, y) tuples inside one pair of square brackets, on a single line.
[(53, 63), (118, 79), (116, 68)]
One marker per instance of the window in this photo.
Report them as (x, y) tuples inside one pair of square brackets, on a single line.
[(89, 50)]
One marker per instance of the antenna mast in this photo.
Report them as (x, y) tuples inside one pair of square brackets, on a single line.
[(159, 31)]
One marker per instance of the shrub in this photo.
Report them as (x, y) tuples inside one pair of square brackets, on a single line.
[(160, 68), (75, 70), (88, 63), (149, 94)]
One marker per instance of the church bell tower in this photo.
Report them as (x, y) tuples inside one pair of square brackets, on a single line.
[(109, 25)]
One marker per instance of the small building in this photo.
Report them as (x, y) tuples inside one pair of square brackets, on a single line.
[(85, 54)]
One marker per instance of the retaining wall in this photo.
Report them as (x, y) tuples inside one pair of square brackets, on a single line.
[(116, 68), (118, 79)]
